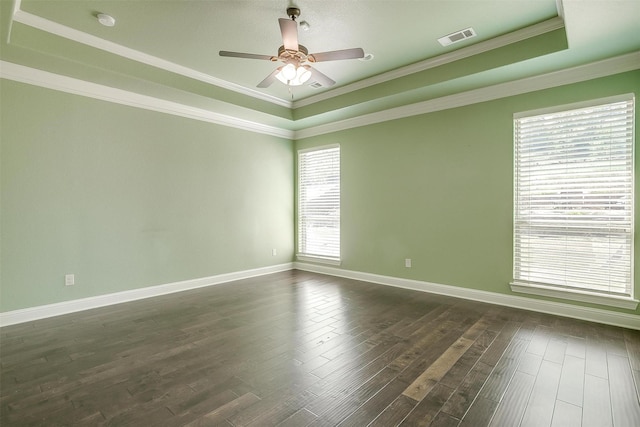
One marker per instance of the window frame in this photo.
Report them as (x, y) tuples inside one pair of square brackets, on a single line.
[(574, 293), (306, 256)]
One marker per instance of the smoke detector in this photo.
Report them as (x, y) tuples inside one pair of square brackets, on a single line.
[(106, 20)]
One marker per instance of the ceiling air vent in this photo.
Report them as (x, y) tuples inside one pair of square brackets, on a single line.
[(316, 85), (456, 37)]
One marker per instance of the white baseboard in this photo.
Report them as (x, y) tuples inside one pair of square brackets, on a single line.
[(631, 321), (57, 309), (607, 317)]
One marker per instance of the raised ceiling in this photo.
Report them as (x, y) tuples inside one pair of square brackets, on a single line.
[(168, 49)]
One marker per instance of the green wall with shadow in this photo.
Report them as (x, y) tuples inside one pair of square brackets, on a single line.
[(438, 188), (126, 198)]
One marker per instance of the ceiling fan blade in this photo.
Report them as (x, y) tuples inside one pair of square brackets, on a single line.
[(270, 79), (321, 78), (335, 55), (289, 30), (246, 55)]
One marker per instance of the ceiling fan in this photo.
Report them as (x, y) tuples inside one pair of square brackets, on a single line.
[(295, 70)]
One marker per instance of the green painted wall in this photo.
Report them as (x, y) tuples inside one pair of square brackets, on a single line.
[(438, 188), (126, 198)]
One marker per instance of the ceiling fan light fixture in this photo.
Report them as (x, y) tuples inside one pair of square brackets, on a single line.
[(288, 72), (294, 76), (303, 74)]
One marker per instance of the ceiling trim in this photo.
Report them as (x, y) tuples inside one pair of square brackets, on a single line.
[(607, 67), (560, 8), (32, 76), (69, 33), (456, 55)]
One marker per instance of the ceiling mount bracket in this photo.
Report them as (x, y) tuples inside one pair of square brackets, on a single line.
[(293, 13)]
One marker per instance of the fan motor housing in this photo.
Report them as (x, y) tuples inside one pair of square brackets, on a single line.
[(293, 12), (301, 54)]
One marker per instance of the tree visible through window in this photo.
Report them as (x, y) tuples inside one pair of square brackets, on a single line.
[(319, 203), (573, 198)]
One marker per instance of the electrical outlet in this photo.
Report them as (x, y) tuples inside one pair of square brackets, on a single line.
[(69, 279), (407, 262), (274, 252)]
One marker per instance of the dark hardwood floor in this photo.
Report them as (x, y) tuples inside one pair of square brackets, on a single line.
[(301, 349)]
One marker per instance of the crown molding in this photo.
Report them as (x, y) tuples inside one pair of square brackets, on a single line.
[(456, 55), (616, 65), (607, 67), (560, 8), (51, 27), (32, 76), (69, 33)]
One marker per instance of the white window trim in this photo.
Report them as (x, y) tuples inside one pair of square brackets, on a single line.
[(575, 295), (319, 259), (625, 302)]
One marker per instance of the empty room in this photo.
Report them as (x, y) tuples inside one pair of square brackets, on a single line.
[(319, 213)]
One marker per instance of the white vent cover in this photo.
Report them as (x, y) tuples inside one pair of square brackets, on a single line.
[(315, 85), (458, 36)]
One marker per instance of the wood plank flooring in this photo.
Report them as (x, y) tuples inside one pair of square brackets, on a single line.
[(302, 349)]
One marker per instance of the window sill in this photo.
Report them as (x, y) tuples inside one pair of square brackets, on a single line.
[(573, 295), (318, 259)]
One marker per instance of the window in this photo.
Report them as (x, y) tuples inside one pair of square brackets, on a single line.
[(319, 204), (573, 202)]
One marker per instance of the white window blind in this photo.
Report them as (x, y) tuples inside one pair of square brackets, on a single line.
[(573, 213), (319, 203)]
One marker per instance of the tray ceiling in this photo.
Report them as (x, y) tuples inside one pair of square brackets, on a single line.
[(169, 48)]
